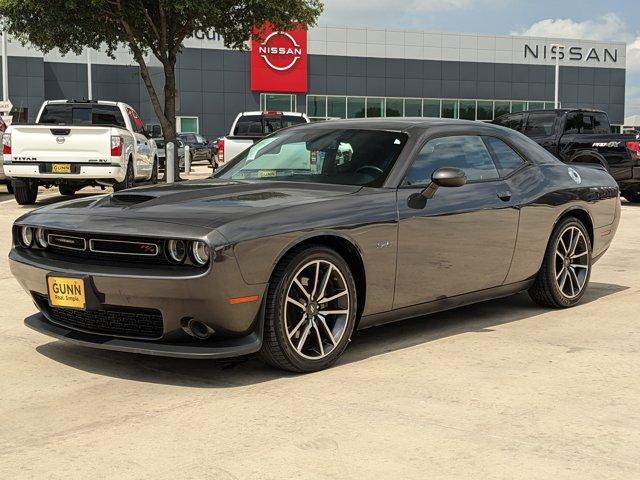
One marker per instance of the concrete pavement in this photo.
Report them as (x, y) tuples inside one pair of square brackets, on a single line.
[(499, 390)]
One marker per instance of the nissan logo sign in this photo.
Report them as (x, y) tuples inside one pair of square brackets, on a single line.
[(60, 140), (280, 51)]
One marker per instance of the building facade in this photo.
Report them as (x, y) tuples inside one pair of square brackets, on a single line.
[(349, 72)]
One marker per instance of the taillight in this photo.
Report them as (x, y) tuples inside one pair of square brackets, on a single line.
[(634, 148), (221, 151), (116, 145), (6, 144)]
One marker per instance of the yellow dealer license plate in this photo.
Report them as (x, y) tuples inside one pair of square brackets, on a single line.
[(61, 168), (66, 292)]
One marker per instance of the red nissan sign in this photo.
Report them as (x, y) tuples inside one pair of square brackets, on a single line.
[(279, 61)]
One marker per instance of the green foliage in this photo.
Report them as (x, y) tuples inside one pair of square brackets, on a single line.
[(158, 26)]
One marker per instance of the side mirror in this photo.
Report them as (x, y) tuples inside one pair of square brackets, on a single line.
[(442, 177)]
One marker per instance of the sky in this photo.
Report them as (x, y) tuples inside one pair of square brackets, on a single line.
[(586, 19)]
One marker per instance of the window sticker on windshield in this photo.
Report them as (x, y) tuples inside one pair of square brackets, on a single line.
[(266, 173), (313, 161)]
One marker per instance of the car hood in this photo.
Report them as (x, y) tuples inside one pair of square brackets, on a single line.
[(199, 203)]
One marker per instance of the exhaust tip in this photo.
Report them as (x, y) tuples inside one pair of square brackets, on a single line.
[(198, 329)]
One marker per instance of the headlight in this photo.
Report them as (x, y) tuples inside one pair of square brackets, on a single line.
[(199, 253), (26, 236), (176, 250), (41, 238)]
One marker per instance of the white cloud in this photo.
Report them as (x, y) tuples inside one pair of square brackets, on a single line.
[(608, 27)]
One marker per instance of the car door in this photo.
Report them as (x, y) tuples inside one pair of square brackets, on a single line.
[(143, 160), (462, 239)]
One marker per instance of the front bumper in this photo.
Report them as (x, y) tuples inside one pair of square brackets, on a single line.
[(232, 347), (178, 296), (85, 172)]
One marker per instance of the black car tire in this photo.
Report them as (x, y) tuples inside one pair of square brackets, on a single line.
[(632, 196), (67, 190), (9, 187), (129, 179), (277, 350), (546, 290), (154, 172), (25, 191)]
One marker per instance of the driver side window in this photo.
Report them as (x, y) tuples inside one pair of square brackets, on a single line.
[(466, 152)]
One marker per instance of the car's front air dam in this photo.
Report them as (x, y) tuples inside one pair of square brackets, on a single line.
[(224, 348), (205, 297)]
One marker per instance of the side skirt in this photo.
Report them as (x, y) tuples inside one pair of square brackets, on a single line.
[(443, 304)]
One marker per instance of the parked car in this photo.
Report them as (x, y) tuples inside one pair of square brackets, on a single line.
[(78, 143), (162, 153), (583, 136), (249, 127), (291, 247), (3, 178), (199, 147)]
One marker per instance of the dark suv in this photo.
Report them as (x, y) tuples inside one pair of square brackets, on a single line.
[(583, 136), (200, 147)]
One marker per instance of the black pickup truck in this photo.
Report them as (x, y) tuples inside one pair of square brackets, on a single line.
[(583, 136)]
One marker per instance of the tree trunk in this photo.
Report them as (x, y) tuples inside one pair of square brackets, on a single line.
[(170, 111)]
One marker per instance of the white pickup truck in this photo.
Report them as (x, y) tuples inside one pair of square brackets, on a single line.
[(249, 127), (75, 144)]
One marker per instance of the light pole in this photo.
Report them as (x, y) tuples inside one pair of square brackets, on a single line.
[(557, 47)]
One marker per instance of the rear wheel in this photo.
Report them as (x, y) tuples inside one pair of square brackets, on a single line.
[(632, 196), (25, 191), (128, 179), (566, 267), (66, 189), (310, 311)]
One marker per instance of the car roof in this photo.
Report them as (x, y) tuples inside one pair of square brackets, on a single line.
[(393, 123)]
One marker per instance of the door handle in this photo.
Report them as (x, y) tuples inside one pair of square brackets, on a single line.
[(504, 195)]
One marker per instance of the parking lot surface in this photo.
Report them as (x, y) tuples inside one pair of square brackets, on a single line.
[(502, 389)]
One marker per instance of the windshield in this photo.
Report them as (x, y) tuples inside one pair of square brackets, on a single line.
[(346, 157)]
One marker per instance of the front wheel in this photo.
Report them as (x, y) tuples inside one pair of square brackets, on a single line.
[(67, 190), (154, 172), (310, 312), (25, 191), (566, 268), (9, 187)]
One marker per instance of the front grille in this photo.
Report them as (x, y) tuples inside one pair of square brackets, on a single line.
[(108, 247), (111, 320)]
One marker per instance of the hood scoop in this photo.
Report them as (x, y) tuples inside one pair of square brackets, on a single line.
[(127, 199)]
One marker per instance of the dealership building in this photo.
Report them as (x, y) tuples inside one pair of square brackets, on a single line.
[(330, 72)]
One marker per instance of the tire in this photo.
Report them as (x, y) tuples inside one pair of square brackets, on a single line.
[(10, 187), (128, 181), (293, 342), (154, 172), (68, 190), (632, 196), (25, 191), (564, 277)]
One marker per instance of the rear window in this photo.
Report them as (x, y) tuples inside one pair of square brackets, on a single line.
[(513, 122), (258, 125), (78, 114), (539, 124)]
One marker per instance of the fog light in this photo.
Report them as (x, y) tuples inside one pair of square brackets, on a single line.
[(41, 238), (200, 253), (176, 250), (26, 236)]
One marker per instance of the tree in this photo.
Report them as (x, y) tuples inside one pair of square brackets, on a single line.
[(158, 27)]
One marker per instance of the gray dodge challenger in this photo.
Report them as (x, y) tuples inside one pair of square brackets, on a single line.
[(312, 233)]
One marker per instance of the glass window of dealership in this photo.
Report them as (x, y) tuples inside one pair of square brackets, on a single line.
[(325, 107)]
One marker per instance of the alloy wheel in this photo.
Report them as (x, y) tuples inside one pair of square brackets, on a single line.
[(571, 262), (316, 310)]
